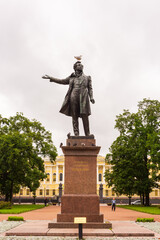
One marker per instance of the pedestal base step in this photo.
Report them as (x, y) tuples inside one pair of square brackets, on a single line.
[(67, 217), (106, 225), (119, 229)]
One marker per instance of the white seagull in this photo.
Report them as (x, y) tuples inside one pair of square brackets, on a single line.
[(78, 57)]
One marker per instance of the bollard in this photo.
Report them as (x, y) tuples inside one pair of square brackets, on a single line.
[(80, 220), (80, 231)]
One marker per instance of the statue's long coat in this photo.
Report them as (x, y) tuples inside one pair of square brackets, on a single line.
[(85, 93)]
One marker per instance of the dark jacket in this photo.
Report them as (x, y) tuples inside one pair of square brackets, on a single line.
[(85, 93)]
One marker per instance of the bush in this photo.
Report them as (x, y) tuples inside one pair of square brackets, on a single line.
[(145, 220), (14, 218), (5, 205)]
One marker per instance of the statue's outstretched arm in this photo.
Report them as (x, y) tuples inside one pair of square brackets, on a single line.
[(56, 80)]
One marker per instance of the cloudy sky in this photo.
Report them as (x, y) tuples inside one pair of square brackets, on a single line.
[(120, 44)]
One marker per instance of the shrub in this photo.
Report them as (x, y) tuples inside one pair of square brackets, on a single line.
[(14, 218), (109, 204), (145, 220), (5, 205)]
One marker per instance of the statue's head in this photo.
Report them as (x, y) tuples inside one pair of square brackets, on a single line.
[(78, 66)]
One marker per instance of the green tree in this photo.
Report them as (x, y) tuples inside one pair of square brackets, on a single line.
[(23, 145), (136, 151)]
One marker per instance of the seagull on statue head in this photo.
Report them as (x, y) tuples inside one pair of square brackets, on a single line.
[(78, 57)]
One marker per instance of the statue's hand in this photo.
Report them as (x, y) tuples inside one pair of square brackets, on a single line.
[(92, 101), (46, 77)]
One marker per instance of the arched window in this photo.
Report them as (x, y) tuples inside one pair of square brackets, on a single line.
[(54, 177), (27, 192), (61, 177), (40, 192), (48, 177), (100, 177), (106, 192), (113, 193)]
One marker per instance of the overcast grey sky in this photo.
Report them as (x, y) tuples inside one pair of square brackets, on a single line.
[(120, 44)]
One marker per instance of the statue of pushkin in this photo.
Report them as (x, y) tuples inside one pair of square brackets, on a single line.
[(76, 103)]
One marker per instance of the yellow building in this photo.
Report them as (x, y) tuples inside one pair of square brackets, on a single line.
[(55, 175)]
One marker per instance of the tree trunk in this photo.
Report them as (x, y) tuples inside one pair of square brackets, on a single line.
[(147, 199), (143, 199), (11, 193), (34, 199), (147, 177), (129, 200), (6, 197)]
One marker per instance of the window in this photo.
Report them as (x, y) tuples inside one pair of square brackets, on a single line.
[(21, 191), (48, 177), (40, 192), (54, 192), (47, 191), (113, 193), (100, 177), (156, 192), (106, 192), (54, 177), (61, 177), (27, 191)]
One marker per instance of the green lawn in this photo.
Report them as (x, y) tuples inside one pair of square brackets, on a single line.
[(150, 209), (20, 209)]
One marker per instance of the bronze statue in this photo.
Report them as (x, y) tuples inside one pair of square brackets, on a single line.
[(76, 103)]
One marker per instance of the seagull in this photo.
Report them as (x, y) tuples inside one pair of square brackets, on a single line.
[(78, 57)]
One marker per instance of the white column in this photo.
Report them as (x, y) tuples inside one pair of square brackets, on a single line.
[(57, 174), (51, 175), (103, 179)]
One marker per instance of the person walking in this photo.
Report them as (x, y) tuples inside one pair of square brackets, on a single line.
[(45, 202), (113, 204)]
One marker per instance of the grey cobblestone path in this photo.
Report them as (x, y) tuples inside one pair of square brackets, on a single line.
[(5, 225), (70, 238)]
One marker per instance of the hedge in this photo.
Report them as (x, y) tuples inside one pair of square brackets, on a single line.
[(14, 218), (145, 220), (5, 205)]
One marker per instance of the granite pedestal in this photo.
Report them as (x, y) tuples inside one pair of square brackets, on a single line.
[(80, 197)]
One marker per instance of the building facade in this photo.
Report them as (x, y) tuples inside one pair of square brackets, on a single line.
[(49, 187)]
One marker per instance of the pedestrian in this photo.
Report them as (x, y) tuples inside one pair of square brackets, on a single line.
[(113, 204), (45, 201)]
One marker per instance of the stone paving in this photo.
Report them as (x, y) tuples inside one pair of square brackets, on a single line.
[(122, 220), (75, 238), (50, 213), (119, 229)]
